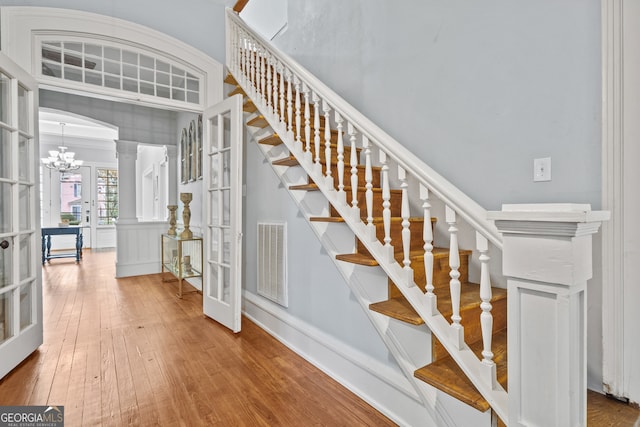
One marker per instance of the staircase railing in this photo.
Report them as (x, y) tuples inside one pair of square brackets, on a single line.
[(294, 102)]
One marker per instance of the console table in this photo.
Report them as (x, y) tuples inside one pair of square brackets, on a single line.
[(182, 258), (47, 232)]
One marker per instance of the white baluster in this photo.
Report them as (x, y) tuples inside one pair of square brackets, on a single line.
[(486, 319), (327, 143), (252, 69), (340, 158), (298, 118), (368, 195), (386, 207), (353, 161), (239, 53), (307, 124), (244, 59), (289, 104), (255, 76), (454, 283), (283, 101), (269, 86), (276, 67), (405, 213), (427, 236), (236, 52), (263, 81), (258, 55), (316, 132)]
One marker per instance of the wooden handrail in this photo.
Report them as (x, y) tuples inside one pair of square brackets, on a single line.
[(240, 4)]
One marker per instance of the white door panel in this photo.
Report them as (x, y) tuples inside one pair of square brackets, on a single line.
[(20, 273), (223, 212)]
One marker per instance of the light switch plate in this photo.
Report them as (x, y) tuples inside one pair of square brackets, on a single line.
[(542, 169)]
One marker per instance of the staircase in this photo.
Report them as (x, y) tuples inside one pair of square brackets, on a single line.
[(442, 373), (436, 310), (359, 193)]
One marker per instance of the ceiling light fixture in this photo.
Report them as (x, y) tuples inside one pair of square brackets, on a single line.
[(62, 160)]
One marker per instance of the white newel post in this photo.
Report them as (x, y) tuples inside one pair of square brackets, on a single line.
[(547, 259)]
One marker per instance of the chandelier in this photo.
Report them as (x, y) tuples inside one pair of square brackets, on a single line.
[(61, 160)]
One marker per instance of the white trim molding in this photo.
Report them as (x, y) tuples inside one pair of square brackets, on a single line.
[(612, 188), (620, 175), (22, 29)]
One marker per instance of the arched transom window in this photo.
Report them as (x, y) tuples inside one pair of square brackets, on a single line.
[(121, 70)]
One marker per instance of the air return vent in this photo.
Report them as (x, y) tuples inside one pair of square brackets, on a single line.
[(272, 262)]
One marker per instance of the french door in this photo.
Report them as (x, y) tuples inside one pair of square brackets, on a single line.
[(20, 273), (223, 212)]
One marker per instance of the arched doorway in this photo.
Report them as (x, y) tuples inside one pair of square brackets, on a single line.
[(73, 53)]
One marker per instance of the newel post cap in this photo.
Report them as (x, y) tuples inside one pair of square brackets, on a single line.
[(548, 242), (551, 219)]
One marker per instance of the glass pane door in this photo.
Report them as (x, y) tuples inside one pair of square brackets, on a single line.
[(20, 275), (223, 183)]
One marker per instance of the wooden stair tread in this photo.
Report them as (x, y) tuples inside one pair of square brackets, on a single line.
[(229, 79), (286, 161), (249, 107), (237, 90), (374, 189), (271, 140), (347, 167), (399, 308), (334, 133), (445, 374), (467, 299), (258, 121), (326, 219), (366, 259), (360, 259), (306, 187)]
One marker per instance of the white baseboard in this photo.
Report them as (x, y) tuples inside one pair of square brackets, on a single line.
[(137, 269), (383, 387)]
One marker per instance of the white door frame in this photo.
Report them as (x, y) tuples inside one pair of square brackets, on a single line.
[(620, 178)]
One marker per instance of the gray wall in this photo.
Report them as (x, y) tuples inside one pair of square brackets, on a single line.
[(135, 122), (476, 89)]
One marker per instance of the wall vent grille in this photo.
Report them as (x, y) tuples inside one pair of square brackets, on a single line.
[(272, 262)]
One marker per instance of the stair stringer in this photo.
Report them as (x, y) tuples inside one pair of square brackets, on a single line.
[(409, 345)]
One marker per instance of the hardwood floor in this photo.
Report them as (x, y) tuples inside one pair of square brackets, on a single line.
[(128, 352)]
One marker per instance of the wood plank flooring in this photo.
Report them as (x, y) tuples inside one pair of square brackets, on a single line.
[(128, 352)]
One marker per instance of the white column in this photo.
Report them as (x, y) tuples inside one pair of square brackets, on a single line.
[(547, 259), (172, 154), (127, 152)]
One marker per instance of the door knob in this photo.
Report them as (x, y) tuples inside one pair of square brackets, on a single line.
[(4, 244)]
